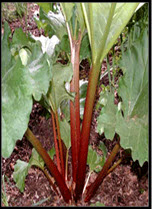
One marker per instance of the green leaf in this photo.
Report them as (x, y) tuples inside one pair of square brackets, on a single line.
[(104, 151), (19, 83), (107, 118), (20, 40), (97, 204), (36, 159), (53, 23), (94, 160), (57, 91), (73, 10), (103, 34), (85, 50), (67, 9), (65, 44), (51, 152), (83, 92), (20, 172), (45, 6), (133, 89), (65, 132), (21, 168), (6, 60), (65, 109)]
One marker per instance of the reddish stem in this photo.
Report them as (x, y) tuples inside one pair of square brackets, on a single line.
[(75, 106), (86, 125), (56, 143), (92, 189), (50, 164), (60, 144)]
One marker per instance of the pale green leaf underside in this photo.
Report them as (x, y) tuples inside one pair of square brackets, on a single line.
[(102, 31), (133, 88)]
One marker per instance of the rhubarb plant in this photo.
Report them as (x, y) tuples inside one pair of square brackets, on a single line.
[(31, 70)]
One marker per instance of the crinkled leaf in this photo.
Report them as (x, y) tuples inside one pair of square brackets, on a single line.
[(57, 91), (134, 136), (102, 34), (20, 172), (133, 89), (133, 86), (19, 83)]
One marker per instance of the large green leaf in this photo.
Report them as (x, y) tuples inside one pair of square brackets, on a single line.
[(19, 83), (135, 62), (104, 22), (132, 127), (6, 60)]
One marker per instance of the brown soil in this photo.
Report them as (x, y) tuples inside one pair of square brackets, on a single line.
[(127, 185)]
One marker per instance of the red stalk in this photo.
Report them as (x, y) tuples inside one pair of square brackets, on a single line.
[(56, 143), (50, 164), (93, 187), (60, 145), (86, 125), (75, 106)]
